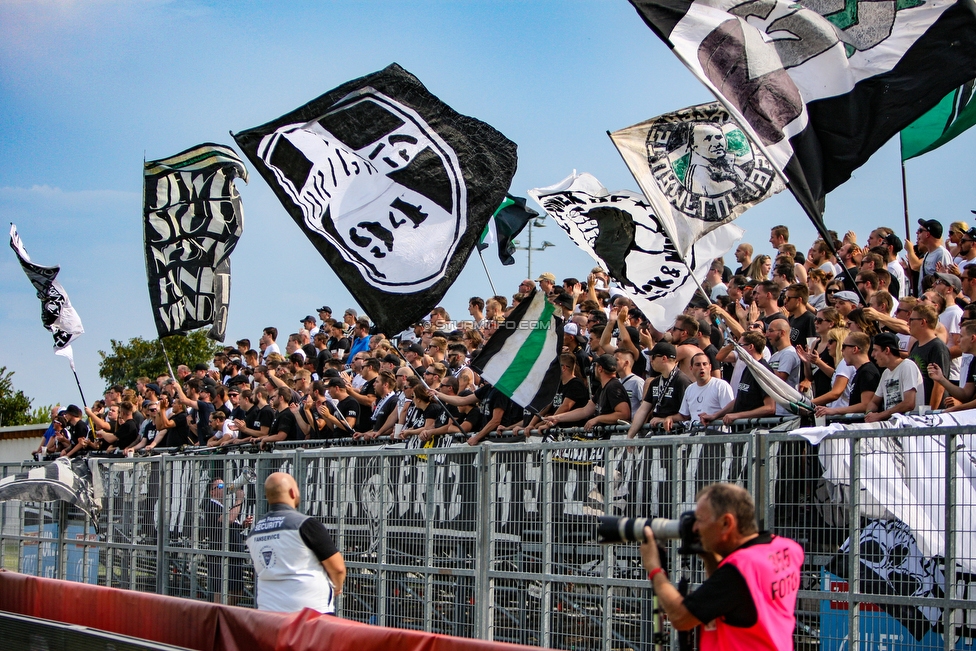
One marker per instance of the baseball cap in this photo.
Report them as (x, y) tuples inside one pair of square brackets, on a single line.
[(415, 348), (201, 367), (351, 311), (886, 340), (571, 329), (392, 359), (896, 245), (850, 297), (933, 226), (546, 276), (325, 308), (606, 362), (153, 387), (308, 318), (949, 279), (664, 348)]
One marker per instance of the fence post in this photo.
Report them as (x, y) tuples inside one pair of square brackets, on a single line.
[(162, 527), (760, 491), (949, 631), (854, 548), (483, 589)]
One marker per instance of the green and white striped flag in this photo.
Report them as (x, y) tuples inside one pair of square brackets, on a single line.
[(950, 117), (521, 359)]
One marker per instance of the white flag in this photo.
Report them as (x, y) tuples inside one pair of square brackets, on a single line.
[(621, 232), (697, 169)]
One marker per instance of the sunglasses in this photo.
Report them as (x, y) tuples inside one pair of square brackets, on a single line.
[(848, 345)]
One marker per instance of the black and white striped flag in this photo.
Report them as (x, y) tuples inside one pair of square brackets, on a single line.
[(193, 219)]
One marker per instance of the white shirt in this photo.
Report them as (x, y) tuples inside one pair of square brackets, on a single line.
[(706, 399), (951, 318), (898, 272), (894, 384), (846, 370)]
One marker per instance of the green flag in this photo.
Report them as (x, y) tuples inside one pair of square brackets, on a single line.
[(505, 225), (953, 115)]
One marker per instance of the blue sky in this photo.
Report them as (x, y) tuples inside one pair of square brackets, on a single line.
[(88, 89)]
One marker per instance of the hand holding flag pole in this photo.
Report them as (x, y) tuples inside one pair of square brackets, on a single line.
[(433, 394)]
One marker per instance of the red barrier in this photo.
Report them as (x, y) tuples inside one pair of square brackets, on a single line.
[(211, 627)]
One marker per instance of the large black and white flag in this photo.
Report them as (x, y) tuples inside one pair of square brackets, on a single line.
[(57, 314), (391, 185), (821, 86), (622, 233), (193, 219), (697, 168), (70, 480)]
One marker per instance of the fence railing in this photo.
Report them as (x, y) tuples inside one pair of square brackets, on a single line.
[(498, 541)]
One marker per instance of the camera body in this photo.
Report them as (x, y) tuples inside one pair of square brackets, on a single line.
[(613, 530)]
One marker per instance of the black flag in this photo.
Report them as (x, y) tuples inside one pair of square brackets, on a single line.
[(70, 480), (821, 86), (391, 185), (193, 219)]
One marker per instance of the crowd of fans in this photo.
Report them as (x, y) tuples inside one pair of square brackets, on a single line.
[(875, 330)]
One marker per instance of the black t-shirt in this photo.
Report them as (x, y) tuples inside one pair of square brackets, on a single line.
[(349, 409), (127, 433), (971, 373), (611, 394), (750, 394), (203, 412), (866, 378), (726, 594), (321, 358), (264, 418), (772, 317), (78, 431), (384, 411), (934, 352), (180, 434), (822, 381), (711, 351), (673, 386), (475, 418), (285, 422), (802, 327), (576, 391), (364, 422), (337, 347), (491, 399)]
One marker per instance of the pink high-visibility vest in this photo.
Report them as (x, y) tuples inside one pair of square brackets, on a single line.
[(772, 572)]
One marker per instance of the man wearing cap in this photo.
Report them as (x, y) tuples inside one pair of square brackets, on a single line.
[(546, 282), (663, 394), (949, 287), (310, 324), (846, 302), (900, 389), (414, 354), (609, 405), (930, 247), (346, 408), (325, 313), (349, 321)]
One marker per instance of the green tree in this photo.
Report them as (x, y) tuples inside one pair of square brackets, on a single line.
[(139, 357), (15, 407)]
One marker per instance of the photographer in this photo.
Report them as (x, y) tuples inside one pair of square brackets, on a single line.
[(749, 598)]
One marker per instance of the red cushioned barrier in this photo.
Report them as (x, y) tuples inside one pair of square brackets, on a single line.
[(210, 627)]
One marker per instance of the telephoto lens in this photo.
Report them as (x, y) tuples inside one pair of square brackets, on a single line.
[(612, 530)]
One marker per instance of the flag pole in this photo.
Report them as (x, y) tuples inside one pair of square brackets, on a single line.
[(493, 290), (166, 357), (904, 199)]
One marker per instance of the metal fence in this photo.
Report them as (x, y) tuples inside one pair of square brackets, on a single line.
[(498, 541)]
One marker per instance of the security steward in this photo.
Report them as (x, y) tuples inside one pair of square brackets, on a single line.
[(748, 601), (296, 563)]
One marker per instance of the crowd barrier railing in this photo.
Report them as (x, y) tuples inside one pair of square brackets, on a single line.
[(498, 542)]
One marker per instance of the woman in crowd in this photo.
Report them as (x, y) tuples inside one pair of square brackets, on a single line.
[(819, 364), (759, 269)]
